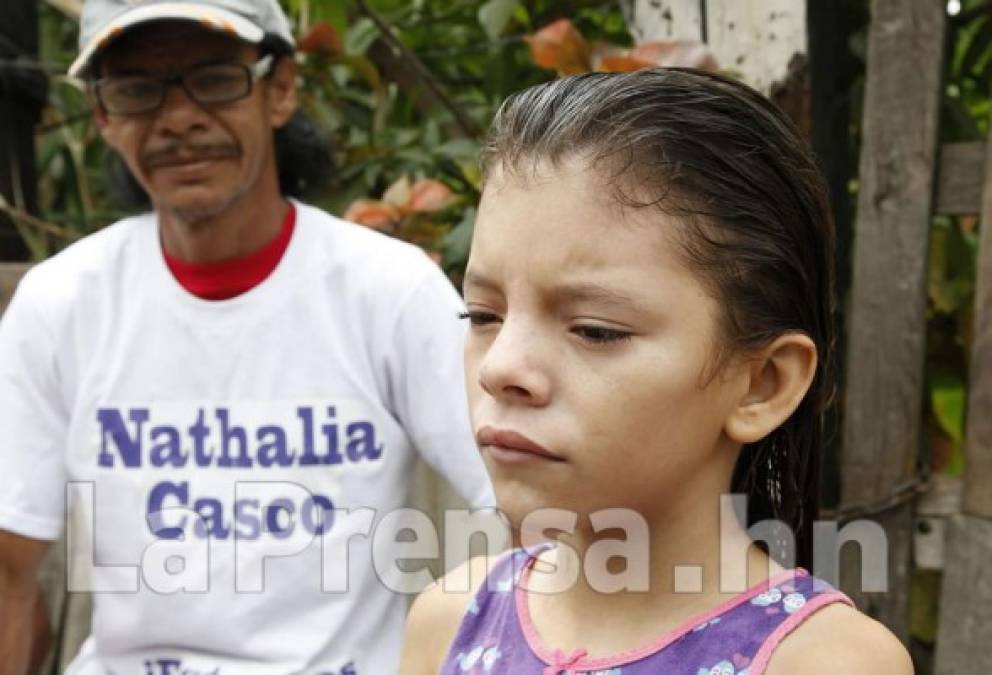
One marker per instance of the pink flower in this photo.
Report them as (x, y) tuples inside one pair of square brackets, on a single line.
[(372, 213), (428, 195), (560, 46), (669, 53)]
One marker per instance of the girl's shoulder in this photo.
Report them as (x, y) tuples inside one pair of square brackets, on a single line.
[(838, 638), (437, 613)]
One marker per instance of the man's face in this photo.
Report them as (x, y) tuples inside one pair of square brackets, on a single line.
[(194, 160)]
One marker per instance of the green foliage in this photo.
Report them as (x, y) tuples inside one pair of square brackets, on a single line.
[(408, 91), (954, 241), (966, 105), (951, 296), (965, 109)]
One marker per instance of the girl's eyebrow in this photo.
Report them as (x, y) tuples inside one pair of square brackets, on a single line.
[(473, 278), (581, 291), (584, 291)]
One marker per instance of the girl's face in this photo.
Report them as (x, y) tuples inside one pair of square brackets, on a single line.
[(589, 361)]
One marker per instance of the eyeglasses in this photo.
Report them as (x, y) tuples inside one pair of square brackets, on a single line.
[(208, 85)]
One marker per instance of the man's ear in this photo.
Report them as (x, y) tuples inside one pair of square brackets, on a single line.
[(99, 113), (778, 379), (101, 118), (282, 91)]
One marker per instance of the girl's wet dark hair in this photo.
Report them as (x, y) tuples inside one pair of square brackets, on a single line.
[(756, 228)]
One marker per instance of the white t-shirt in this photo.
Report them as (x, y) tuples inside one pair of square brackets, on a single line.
[(262, 416)]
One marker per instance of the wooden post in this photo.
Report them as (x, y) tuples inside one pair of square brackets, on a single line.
[(881, 428), (965, 629), (978, 440)]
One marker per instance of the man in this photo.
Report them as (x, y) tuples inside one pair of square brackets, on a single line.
[(212, 385)]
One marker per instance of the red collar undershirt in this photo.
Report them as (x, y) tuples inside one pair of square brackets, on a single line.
[(228, 278)]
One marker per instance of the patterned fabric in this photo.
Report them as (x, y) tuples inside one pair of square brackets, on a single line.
[(497, 636)]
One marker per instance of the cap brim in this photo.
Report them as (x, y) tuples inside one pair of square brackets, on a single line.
[(212, 18)]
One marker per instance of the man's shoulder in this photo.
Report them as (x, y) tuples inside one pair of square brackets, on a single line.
[(356, 247), (77, 266)]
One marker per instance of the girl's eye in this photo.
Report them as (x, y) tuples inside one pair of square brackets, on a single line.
[(600, 334), (477, 318)]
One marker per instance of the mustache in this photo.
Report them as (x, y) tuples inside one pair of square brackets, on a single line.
[(181, 152)]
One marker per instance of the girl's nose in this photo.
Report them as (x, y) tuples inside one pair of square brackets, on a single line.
[(512, 368)]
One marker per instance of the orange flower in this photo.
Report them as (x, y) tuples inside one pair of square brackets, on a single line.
[(428, 195), (372, 213), (683, 53), (675, 53), (321, 39), (398, 194), (560, 46), (620, 63)]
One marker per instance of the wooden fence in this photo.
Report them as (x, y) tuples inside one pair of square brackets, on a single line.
[(905, 179)]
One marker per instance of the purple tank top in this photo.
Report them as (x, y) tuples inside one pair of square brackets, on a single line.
[(497, 637)]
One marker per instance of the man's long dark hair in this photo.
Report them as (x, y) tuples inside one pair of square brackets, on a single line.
[(756, 228)]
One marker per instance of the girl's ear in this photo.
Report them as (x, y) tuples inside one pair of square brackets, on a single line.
[(282, 91), (778, 379)]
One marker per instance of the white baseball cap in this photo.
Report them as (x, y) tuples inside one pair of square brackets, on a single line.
[(103, 21)]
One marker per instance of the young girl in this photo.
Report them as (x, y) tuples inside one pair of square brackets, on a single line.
[(649, 293)]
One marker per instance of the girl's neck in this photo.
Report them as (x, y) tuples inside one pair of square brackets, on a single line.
[(690, 569), (680, 580)]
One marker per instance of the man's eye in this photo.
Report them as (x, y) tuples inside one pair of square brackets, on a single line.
[(133, 88), (216, 79), (600, 334), (477, 318)]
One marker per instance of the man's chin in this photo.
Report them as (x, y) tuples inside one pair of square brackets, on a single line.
[(193, 208)]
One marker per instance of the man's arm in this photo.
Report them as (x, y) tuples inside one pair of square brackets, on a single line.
[(20, 559), (429, 385)]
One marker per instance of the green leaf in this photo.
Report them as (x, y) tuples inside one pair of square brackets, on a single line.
[(947, 396), (522, 16), (416, 156), (334, 13), (495, 15), (948, 401), (459, 149), (400, 137), (360, 36), (924, 605), (455, 245), (977, 51)]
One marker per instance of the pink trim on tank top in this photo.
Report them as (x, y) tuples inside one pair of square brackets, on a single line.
[(760, 661), (549, 656)]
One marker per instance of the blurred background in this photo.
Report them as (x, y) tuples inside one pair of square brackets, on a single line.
[(894, 96)]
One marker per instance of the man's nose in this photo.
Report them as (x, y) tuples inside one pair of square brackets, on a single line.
[(179, 113), (513, 369)]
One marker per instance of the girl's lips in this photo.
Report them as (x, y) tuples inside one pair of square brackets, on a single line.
[(506, 445)]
